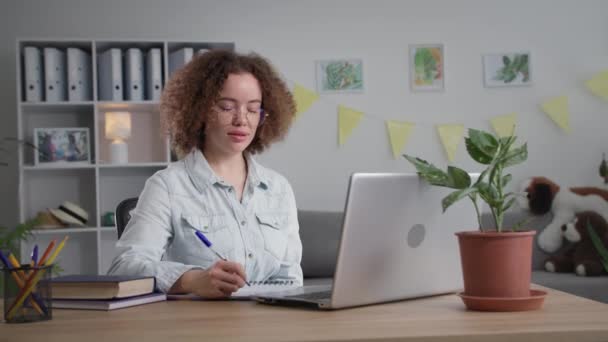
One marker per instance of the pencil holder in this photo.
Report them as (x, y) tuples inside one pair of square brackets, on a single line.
[(27, 294)]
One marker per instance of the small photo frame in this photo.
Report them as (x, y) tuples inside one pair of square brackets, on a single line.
[(55, 146), (339, 76), (427, 67), (507, 69)]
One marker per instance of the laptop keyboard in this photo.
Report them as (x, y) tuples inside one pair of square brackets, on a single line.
[(313, 295)]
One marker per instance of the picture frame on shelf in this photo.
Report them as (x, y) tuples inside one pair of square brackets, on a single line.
[(427, 67), (339, 76), (512, 69), (58, 146)]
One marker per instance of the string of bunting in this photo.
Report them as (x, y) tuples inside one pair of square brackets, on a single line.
[(450, 134)]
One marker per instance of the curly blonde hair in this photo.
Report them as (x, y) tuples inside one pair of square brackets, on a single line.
[(190, 94)]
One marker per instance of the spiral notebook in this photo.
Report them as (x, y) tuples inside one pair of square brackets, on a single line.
[(247, 292)]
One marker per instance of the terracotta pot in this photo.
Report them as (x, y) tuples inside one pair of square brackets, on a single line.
[(496, 264)]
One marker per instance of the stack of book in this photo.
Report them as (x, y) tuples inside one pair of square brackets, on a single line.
[(94, 292)]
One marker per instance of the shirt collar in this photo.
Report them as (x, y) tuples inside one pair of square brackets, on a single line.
[(202, 176)]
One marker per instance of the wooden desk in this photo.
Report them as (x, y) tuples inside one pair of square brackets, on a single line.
[(563, 318)]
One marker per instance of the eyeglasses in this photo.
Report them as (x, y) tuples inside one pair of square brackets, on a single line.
[(227, 110)]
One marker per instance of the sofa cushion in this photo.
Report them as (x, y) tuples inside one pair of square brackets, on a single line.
[(320, 234)]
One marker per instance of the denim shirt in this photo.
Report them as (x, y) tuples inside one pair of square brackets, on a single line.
[(261, 232)]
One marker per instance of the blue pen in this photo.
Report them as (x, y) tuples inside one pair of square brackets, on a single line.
[(35, 256), (208, 243)]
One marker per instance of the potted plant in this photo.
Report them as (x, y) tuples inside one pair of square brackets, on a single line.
[(496, 263)]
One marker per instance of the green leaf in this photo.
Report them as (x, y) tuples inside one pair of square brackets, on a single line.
[(456, 196), (506, 61), (458, 178), (599, 246), (484, 141), (488, 193), (429, 172), (477, 154), (508, 205), (515, 156), (506, 179)]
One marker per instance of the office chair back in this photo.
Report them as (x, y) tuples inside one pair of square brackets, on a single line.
[(123, 214)]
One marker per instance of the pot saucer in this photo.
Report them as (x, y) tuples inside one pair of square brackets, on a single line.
[(532, 302)]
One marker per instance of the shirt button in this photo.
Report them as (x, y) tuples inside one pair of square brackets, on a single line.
[(229, 189), (250, 255), (243, 222)]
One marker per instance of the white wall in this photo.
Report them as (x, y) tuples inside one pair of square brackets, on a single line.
[(568, 41)]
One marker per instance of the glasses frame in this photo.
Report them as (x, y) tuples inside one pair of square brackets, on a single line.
[(220, 111)]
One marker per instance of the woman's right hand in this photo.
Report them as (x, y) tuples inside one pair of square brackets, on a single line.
[(218, 281)]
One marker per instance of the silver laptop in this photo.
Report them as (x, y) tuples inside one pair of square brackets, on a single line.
[(396, 244)]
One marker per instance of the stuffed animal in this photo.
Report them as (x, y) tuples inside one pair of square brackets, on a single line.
[(544, 195), (582, 257)]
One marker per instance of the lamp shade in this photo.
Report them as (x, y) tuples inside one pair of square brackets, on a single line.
[(118, 125)]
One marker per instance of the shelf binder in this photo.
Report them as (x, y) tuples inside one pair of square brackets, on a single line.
[(79, 75), (54, 75), (179, 58), (32, 74), (154, 74), (134, 74), (109, 70)]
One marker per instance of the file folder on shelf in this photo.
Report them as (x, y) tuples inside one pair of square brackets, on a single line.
[(32, 74), (179, 58), (134, 74), (154, 74), (54, 75), (79, 75), (109, 70)]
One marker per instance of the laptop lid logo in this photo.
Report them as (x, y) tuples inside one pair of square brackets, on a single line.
[(416, 235)]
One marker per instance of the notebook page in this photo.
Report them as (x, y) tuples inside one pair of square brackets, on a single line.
[(246, 292), (263, 287)]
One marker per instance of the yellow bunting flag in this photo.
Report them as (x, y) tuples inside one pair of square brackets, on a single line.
[(504, 125), (398, 133), (557, 109), (599, 85), (348, 120), (450, 136), (304, 99)]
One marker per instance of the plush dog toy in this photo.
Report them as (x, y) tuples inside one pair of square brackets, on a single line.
[(582, 257), (544, 195)]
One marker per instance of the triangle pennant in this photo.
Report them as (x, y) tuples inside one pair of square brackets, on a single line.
[(504, 125), (348, 120), (599, 85), (557, 109), (398, 134), (304, 98), (450, 136)]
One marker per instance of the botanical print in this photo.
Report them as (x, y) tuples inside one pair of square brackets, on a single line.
[(427, 67), (509, 69), (343, 75)]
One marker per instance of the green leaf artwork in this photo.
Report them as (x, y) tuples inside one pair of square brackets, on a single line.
[(507, 69), (341, 75), (427, 66)]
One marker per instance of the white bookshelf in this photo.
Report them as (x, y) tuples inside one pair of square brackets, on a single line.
[(97, 187)]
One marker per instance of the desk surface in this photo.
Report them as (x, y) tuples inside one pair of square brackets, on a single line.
[(563, 317)]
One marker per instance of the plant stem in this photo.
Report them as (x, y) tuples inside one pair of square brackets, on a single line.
[(477, 211)]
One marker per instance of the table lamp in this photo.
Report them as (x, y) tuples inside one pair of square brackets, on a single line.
[(118, 128)]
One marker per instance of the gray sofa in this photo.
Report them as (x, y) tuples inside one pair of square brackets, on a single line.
[(320, 234)]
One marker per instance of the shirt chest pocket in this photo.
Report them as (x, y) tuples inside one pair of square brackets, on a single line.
[(215, 228), (274, 230)]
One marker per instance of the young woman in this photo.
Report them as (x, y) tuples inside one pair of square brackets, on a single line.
[(221, 108)]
